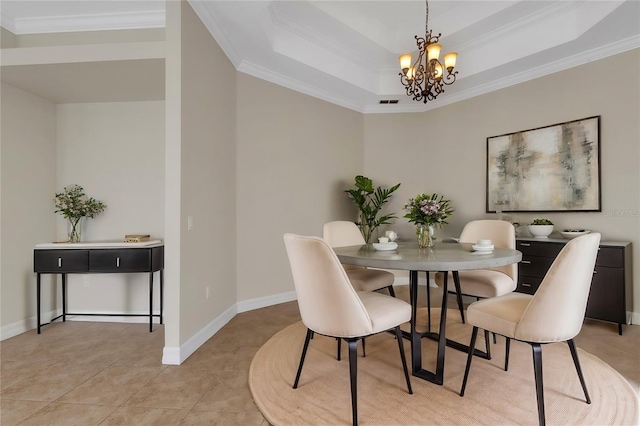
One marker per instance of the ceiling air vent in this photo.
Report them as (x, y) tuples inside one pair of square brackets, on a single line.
[(388, 101)]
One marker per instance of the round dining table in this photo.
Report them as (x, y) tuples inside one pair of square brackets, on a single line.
[(444, 257)]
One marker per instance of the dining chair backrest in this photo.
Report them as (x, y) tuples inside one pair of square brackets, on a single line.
[(557, 309), (500, 232), (328, 303), (341, 233)]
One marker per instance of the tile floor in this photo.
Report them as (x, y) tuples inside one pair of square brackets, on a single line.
[(87, 373)]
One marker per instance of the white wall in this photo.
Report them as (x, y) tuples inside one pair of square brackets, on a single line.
[(444, 150), (27, 184), (116, 152)]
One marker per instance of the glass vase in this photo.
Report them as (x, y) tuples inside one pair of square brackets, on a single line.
[(426, 235), (74, 229)]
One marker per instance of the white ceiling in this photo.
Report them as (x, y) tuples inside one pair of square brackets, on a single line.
[(345, 52)]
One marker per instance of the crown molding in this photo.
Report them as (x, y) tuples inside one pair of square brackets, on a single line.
[(298, 86), (583, 58), (95, 22), (8, 23)]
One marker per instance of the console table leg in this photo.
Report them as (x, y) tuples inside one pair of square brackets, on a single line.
[(161, 294), (64, 297), (150, 302), (38, 300)]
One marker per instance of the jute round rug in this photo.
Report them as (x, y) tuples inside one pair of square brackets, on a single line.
[(493, 396)]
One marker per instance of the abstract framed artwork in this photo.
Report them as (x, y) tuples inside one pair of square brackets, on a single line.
[(548, 169)]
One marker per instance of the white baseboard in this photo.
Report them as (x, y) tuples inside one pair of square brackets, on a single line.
[(633, 318), (176, 355), (263, 302)]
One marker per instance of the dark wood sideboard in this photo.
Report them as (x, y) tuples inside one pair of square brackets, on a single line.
[(610, 295), (99, 258)]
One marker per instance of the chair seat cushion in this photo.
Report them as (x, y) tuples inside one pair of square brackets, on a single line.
[(364, 279), (480, 283), (385, 311), (499, 314)]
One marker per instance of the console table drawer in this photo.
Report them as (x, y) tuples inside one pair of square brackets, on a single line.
[(58, 261), (126, 260)]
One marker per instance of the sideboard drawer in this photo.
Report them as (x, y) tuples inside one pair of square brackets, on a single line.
[(534, 266), (528, 285), (125, 260), (612, 257), (58, 261), (539, 248)]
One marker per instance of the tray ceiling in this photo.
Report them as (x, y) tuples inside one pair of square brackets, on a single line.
[(345, 52)]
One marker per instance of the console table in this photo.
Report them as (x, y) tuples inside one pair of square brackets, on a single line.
[(610, 295), (99, 258)]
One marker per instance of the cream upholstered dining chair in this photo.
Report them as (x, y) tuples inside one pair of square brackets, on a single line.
[(485, 283), (330, 306), (553, 314), (340, 233)]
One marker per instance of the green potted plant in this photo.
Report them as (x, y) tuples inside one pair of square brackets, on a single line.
[(370, 200), (74, 205), (541, 228)]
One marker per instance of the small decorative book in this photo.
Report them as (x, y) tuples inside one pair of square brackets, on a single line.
[(136, 238)]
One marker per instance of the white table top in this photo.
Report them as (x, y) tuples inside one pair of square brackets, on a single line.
[(444, 257), (98, 245)]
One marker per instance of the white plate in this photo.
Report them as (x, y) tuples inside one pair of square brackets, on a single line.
[(482, 248), (385, 246)]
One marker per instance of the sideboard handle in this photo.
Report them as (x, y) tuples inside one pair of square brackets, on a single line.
[(117, 262), (595, 272), (525, 262), (525, 244), (526, 285), (59, 262)]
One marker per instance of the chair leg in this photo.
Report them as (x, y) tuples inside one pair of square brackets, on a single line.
[(456, 282), (339, 348), (495, 341), (364, 352), (472, 345), (392, 293), (353, 370), (576, 362), (487, 344), (304, 354), (403, 358), (537, 368), (506, 354)]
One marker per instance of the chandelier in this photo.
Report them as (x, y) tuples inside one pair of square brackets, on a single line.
[(425, 79)]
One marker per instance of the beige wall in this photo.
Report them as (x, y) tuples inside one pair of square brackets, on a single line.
[(27, 184), (7, 39), (444, 150), (296, 155), (207, 253), (115, 150)]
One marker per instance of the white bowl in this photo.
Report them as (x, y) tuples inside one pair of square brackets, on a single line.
[(540, 231), (574, 233)]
